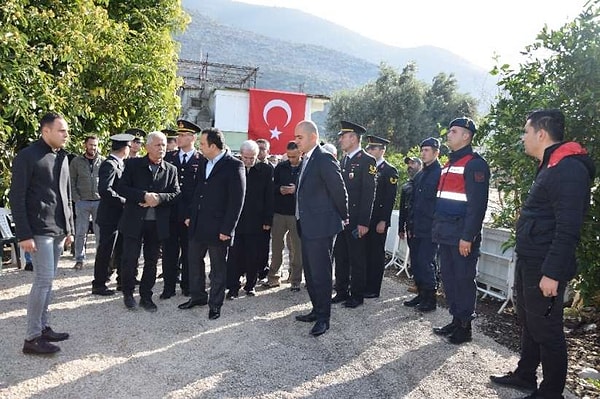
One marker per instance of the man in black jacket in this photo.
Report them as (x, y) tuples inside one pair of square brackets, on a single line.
[(40, 196), (385, 196), (149, 185), (548, 231), (212, 218), (423, 249), (110, 209)]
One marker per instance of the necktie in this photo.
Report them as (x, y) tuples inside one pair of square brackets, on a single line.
[(184, 159), (345, 162)]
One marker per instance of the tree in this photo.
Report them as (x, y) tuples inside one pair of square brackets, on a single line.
[(81, 59), (401, 108), (562, 71)]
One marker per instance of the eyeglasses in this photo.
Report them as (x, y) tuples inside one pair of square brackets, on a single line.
[(550, 306)]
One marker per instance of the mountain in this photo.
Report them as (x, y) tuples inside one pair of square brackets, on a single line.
[(294, 48)]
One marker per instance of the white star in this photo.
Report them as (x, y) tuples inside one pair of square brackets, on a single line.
[(275, 133)]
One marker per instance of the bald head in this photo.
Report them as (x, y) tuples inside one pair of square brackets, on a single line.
[(306, 135)]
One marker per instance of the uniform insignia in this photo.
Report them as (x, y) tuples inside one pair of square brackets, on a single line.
[(181, 125), (479, 177), (393, 180), (351, 175), (372, 169)]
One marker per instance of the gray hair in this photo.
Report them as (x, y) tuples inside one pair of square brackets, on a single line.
[(330, 148), (156, 134), (249, 145)]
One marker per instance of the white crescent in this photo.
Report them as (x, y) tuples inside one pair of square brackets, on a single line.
[(278, 103)]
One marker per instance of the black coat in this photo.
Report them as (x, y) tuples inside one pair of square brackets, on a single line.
[(284, 176), (40, 192), (111, 204), (137, 180), (217, 201), (423, 199), (385, 194), (359, 177), (186, 176), (258, 200)]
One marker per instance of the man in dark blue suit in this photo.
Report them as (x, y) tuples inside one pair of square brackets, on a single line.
[(212, 218), (322, 212)]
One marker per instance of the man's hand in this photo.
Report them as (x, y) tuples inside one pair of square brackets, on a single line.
[(362, 230), (28, 245), (187, 222), (548, 286), (464, 247), (69, 239), (151, 200), (224, 237), (266, 227), (402, 235), (380, 228)]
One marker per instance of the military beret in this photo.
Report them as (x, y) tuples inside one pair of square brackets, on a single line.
[(465, 122), (137, 133), (184, 126), (375, 141), (430, 142), (407, 160), (351, 127)]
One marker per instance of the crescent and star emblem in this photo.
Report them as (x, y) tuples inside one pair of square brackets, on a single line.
[(277, 103)]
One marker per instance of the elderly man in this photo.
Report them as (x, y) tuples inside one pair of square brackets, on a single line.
[(149, 185), (248, 251)]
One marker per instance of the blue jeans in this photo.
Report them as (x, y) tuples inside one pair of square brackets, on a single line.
[(45, 262), (83, 210)]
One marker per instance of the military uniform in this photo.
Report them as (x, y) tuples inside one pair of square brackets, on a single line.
[(383, 204), (461, 203), (358, 172), (175, 251)]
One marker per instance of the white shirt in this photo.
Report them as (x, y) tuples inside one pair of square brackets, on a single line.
[(211, 163)]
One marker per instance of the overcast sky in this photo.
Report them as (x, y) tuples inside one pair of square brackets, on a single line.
[(474, 29)]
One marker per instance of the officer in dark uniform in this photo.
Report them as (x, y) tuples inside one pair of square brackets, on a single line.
[(461, 203), (175, 251), (358, 172), (385, 196), (171, 139), (137, 142), (110, 243), (423, 249)]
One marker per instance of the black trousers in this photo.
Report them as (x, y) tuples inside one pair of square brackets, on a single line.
[(350, 264), (175, 252), (131, 253), (110, 246), (422, 255), (217, 253), (542, 337), (245, 257), (458, 276), (317, 255), (375, 260)]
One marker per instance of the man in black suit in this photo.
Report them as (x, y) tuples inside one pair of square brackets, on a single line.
[(248, 251), (385, 196), (175, 251), (358, 171), (109, 213), (213, 215), (322, 211), (149, 185)]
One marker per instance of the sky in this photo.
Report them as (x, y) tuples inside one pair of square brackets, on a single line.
[(474, 29)]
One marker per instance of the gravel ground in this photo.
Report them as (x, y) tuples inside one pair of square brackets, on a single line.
[(255, 350)]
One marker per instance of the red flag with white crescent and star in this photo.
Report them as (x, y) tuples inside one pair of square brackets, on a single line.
[(274, 115)]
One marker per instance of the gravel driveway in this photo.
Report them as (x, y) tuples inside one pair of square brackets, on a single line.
[(255, 350)]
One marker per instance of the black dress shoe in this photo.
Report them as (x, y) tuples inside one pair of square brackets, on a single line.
[(193, 303), (167, 294), (461, 334), (353, 302), (413, 302), (29, 266), (129, 301), (102, 291), (51, 336), (339, 298), (231, 295), (148, 305), (307, 318), (39, 346), (214, 313), (447, 329), (319, 328), (514, 380), (370, 295), (251, 293)]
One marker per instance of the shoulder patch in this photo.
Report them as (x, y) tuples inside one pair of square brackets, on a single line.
[(372, 170), (479, 177)]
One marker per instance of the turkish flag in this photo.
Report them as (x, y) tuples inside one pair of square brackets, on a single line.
[(274, 115)]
